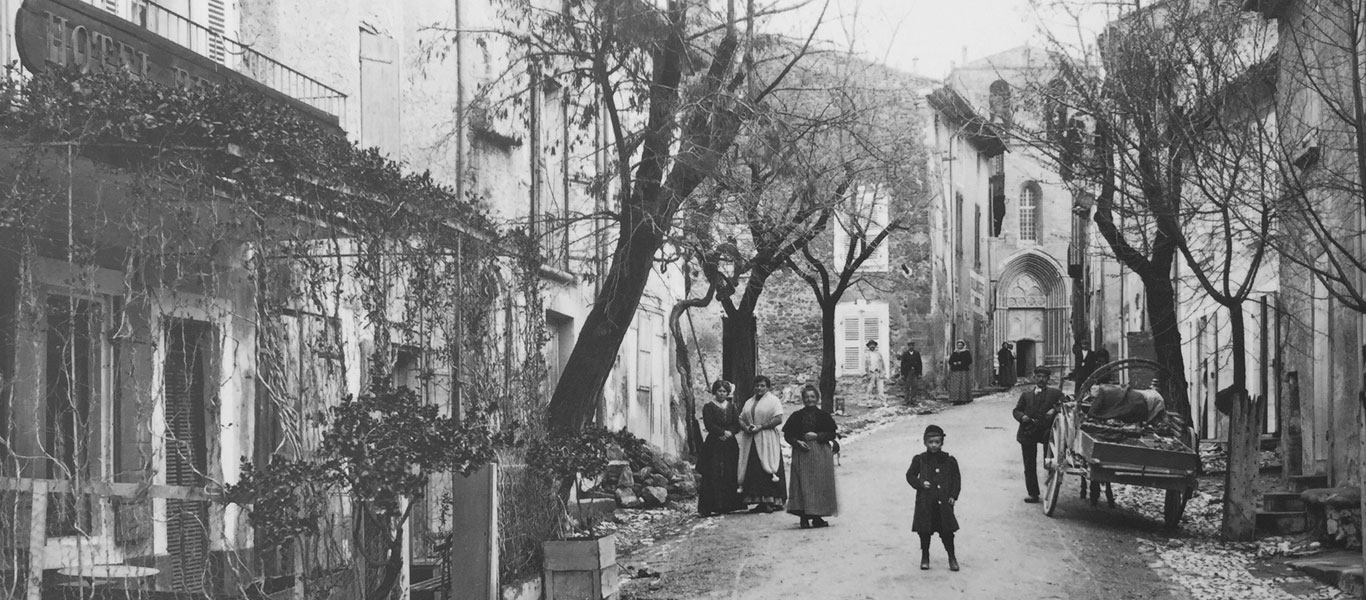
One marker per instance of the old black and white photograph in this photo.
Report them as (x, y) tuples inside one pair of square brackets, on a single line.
[(682, 299)]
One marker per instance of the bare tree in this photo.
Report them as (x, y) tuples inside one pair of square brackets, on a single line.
[(671, 84), (882, 154), (1172, 113)]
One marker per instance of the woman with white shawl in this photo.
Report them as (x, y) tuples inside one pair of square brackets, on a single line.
[(760, 472)]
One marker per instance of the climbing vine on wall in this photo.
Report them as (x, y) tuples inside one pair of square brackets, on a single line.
[(328, 266)]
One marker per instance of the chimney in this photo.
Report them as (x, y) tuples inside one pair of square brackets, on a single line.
[(915, 65), (965, 56)]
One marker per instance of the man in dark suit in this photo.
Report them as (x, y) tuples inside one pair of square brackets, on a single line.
[(911, 370), (1035, 411)]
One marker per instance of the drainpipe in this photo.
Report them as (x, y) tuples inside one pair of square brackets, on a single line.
[(457, 368)]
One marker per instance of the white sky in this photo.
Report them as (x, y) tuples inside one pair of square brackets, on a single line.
[(898, 32)]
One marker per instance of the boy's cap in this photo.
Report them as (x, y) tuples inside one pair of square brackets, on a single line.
[(933, 431)]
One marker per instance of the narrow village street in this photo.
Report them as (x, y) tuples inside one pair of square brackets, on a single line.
[(1007, 548)]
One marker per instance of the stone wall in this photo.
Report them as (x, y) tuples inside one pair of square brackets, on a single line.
[(789, 318)]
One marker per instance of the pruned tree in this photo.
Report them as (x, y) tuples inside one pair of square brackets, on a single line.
[(875, 179), (1168, 127), (669, 82)]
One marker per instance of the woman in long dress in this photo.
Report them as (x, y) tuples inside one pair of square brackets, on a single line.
[(811, 431), (960, 374), (720, 454), (760, 471)]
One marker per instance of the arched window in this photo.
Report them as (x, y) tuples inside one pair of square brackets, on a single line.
[(1029, 212)]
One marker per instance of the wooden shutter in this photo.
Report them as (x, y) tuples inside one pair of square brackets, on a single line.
[(185, 388), (73, 373), (851, 344), (217, 23), (878, 222)]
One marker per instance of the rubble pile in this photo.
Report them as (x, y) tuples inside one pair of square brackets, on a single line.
[(1343, 526), (640, 528), (1214, 458), (646, 479), (1297, 545), (1213, 570)]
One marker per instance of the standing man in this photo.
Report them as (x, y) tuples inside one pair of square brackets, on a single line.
[(1035, 411), (1006, 359), (874, 369), (911, 370)]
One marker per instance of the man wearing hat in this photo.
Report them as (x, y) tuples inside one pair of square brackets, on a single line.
[(874, 368), (911, 369), (1035, 411)]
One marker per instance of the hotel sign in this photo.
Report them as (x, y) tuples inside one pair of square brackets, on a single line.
[(71, 34)]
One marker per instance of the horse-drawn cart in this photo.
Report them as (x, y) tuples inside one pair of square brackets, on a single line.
[(1136, 455)]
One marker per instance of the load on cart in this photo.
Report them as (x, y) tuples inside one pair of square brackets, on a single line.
[(1124, 434)]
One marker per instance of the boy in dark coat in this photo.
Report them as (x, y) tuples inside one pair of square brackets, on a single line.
[(1035, 411), (934, 475)]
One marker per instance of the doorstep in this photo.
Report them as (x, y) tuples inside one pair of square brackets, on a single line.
[(1340, 568)]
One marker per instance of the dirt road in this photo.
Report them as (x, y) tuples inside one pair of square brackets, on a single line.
[(1008, 549)]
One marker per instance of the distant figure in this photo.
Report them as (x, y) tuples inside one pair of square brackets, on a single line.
[(960, 374), (1035, 411), (720, 454), (937, 482), (874, 370), (760, 473), (1084, 368), (811, 433), (912, 368), (1006, 359), (1096, 359)]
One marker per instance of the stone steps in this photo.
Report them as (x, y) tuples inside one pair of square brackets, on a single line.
[(1282, 502), (1281, 522), (1281, 513), (1306, 482)]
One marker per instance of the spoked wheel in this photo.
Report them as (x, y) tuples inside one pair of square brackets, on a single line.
[(1174, 506), (1056, 465)]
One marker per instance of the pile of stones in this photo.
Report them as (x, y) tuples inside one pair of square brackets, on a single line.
[(649, 480)]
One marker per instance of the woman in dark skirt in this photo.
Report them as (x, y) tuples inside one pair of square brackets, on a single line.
[(960, 374), (760, 473), (720, 454), (811, 433)]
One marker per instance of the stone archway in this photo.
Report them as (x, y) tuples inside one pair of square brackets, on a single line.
[(1032, 304)]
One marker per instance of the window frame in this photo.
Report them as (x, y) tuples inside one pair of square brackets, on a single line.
[(1031, 199)]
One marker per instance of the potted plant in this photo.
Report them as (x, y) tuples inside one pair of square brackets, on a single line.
[(580, 560)]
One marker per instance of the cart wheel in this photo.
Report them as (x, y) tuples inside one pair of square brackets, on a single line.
[(1173, 507), (1057, 466)]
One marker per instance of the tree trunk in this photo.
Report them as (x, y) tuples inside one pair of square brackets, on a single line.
[(606, 325), (1080, 334), (1161, 300), (828, 357), (684, 367), (1240, 505), (739, 354)]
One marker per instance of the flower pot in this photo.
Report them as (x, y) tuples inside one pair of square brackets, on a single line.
[(581, 569)]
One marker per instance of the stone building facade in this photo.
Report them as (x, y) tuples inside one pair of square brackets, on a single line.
[(1029, 212), (383, 76)]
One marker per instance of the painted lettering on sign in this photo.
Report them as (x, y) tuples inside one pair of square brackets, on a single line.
[(72, 34), (89, 51)]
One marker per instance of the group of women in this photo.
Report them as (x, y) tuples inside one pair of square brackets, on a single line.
[(741, 461)]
